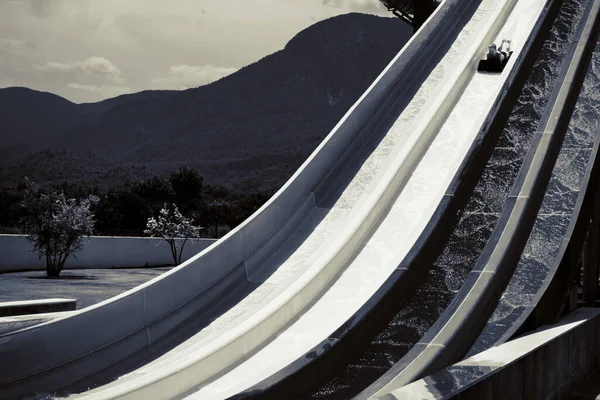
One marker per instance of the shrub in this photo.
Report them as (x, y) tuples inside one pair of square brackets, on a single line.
[(174, 228), (56, 225)]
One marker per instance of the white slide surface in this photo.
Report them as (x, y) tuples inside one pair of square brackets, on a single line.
[(364, 235), (291, 249), (394, 237)]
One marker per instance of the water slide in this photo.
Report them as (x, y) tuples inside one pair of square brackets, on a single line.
[(544, 271), (312, 256), (457, 327), (412, 314), (530, 153), (279, 360), (420, 194), (539, 288), (308, 230), (433, 327)]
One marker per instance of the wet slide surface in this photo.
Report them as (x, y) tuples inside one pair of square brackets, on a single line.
[(309, 229), (177, 303), (474, 228), (389, 240), (556, 213), (309, 234)]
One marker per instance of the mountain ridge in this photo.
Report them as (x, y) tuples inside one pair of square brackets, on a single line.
[(251, 129)]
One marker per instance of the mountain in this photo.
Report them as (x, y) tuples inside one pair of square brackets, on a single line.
[(251, 129)]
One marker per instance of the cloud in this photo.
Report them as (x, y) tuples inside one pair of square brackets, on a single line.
[(147, 44), (15, 62), (97, 67), (101, 91), (41, 8), (92, 79), (14, 45), (188, 76)]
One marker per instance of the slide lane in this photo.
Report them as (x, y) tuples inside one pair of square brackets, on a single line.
[(414, 317), (454, 332), (460, 130), (553, 245), (303, 371), (145, 322), (174, 371), (145, 299), (188, 364)]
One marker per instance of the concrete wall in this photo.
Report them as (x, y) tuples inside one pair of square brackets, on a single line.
[(98, 252), (547, 364)]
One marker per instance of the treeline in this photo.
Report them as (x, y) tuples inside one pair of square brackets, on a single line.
[(124, 210)]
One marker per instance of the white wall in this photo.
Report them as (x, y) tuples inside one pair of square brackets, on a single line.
[(98, 252)]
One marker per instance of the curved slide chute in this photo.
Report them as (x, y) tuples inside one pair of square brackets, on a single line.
[(420, 193), (63, 352), (526, 20), (456, 330), (323, 244), (411, 134), (535, 295), (545, 271)]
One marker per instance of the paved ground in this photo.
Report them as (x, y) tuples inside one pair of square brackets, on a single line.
[(97, 285)]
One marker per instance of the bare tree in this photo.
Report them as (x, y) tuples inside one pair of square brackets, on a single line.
[(174, 228), (56, 225)]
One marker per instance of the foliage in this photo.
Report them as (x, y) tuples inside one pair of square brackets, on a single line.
[(174, 228), (216, 212), (56, 225), (187, 186), (154, 189), (124, 210), (11, 211)]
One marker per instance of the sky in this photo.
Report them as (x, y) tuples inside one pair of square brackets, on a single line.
[(90, 50)]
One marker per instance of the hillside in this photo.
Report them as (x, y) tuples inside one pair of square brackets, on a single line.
[(251, 129)]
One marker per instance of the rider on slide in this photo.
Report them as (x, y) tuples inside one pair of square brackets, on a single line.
[(496, 60)]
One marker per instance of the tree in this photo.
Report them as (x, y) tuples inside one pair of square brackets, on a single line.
[(216, 213), (109, 214), (121, 211), (154, 192), (10, 208), (174, 228), (56, 225), (187, 185)]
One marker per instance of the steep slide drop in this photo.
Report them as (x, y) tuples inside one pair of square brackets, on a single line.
[(365, 364), (539, 287), (413, 133), (327, 315), (573, 36), (300, 237), (535, 293), (331, 259)]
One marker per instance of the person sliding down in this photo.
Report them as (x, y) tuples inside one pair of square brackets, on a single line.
[(496, 59)]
